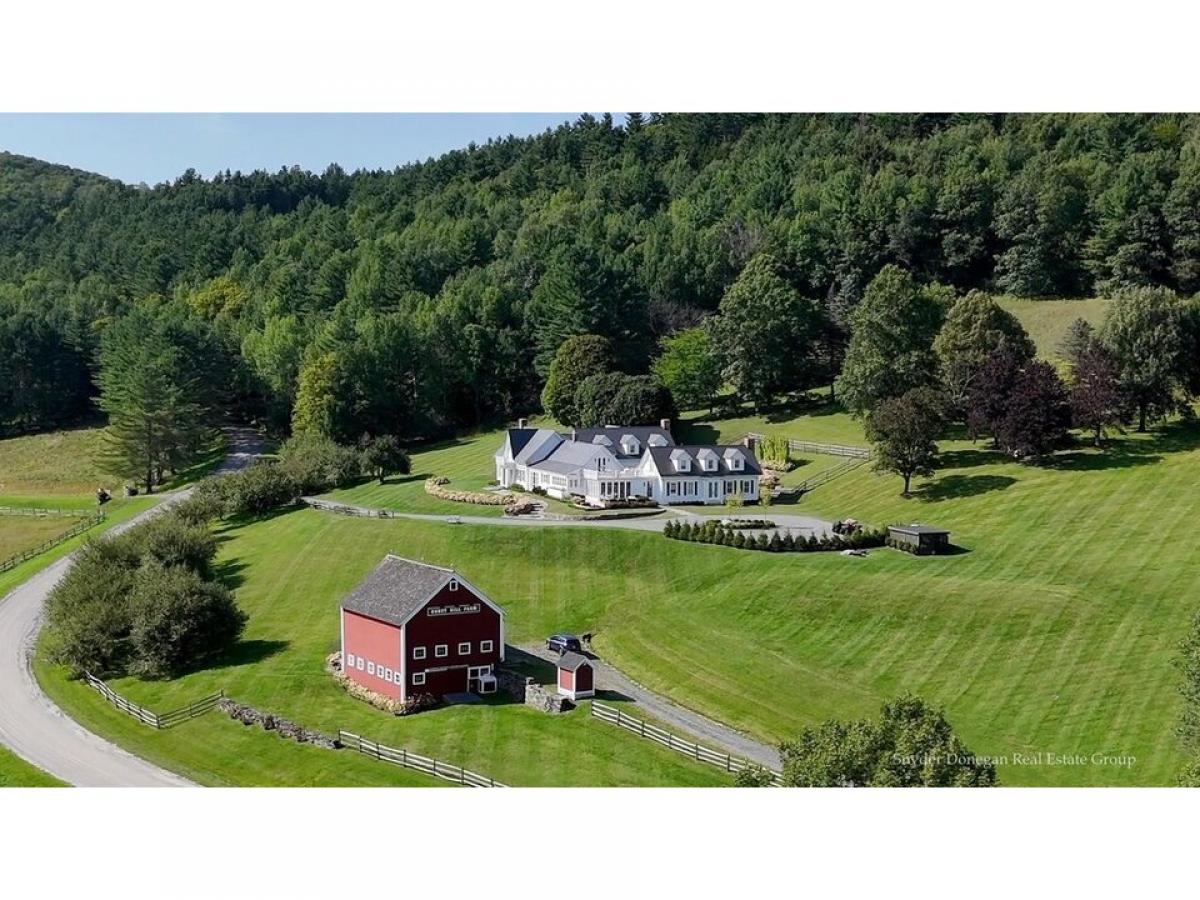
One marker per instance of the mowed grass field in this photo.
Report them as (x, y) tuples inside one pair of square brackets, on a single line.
[(1049, 639), (1047, 321), (15, 772), (19, 533), (291, 571), (1053, 632)]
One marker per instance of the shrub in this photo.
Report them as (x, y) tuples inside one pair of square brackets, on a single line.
[(765, 495), (168, 540), (178, 619), (317, 464), (735, 500), (258, 490), (739, 540), (383, 456)]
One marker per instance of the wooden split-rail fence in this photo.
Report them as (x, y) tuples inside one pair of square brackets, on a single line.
[(148, 716), (698, 752), (409, 760), (818, 447), (87, 520)]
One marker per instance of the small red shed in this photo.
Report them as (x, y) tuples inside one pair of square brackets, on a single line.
[(576, 676), (410, 628)]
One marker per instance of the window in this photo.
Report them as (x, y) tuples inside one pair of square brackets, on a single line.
[(370, 668), (485, 646), (441, 650), (418, 652), (349, 660), (418, 678), (464, 649), (387, 675), (358, 663), (453, 584)]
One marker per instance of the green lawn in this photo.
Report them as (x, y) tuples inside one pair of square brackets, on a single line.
[(1047, 321), (117, 511), (466, 461), (290, 590), (15, 772), (19, 533)]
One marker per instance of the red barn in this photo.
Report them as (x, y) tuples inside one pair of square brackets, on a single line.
[(411, 628), (576, 677)]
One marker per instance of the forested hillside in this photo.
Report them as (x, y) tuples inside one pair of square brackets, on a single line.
[(435, 296)]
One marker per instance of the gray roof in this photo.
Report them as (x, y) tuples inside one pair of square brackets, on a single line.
[(538, 446), (662, 461), (614, 433), (917, 529), (518, 438), (396, 589), (572, 661)]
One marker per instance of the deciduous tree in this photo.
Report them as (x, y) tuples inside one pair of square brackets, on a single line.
[(904, 430)]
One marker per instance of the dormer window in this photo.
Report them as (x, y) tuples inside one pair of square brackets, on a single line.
[(681, 461), (708, 460), (602, 440), (735, 460), (657, 440), (630, 445)]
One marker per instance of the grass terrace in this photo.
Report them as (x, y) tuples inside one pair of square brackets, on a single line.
[(15, 772)]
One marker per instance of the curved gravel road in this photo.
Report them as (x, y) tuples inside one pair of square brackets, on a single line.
[(31, 725)]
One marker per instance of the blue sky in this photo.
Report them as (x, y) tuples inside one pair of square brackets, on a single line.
[(154, 147)]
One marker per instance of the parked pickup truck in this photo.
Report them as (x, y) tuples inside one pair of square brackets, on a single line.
[(561, 643)]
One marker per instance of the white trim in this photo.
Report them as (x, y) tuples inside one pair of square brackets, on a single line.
[(441, 651), (461, 651), (491, 646), (419, 652), (418, 679)]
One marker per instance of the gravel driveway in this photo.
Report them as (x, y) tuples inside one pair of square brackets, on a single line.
[(31, 725), (702, 729)]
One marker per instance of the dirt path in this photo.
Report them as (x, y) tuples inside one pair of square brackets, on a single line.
[(31, 725), (701, 728)]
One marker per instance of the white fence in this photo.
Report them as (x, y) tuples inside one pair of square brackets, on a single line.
[(698, 752), (416, 762)]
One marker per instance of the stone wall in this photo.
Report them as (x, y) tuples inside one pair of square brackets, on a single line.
[(283, 727)]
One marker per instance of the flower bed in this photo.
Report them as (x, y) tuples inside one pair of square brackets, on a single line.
[(436, 487)]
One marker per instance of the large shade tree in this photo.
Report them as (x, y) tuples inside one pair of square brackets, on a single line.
[(577, 359), (903, 432), (891, 343), (766, 333), (975, 326), (1144, 332)]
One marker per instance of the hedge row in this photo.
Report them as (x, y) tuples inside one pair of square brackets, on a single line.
[(716, 533)]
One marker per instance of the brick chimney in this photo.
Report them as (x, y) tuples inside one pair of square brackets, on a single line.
[(665, 425), (522, 423)]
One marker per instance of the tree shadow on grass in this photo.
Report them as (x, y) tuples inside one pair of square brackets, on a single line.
[(955, 487), (229, 573), (970, 459)]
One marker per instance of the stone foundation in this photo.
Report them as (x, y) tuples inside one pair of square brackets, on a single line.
[(333, 665)]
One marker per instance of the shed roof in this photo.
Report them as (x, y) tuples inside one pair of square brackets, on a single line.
[(917, 529), (572, 661), (396, 589)]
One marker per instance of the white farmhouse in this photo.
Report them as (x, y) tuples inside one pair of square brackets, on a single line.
[(600, 466)]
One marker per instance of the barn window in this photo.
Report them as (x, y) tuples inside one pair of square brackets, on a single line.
[(418, 652), (485, 646), (464, 648), (418, 678), (441, 650), (359, 663), (387, 675), (349, 660), (453, 584), (370, 668)]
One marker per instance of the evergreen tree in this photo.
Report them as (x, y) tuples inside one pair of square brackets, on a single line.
[(577, 359), (1144, 334)]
